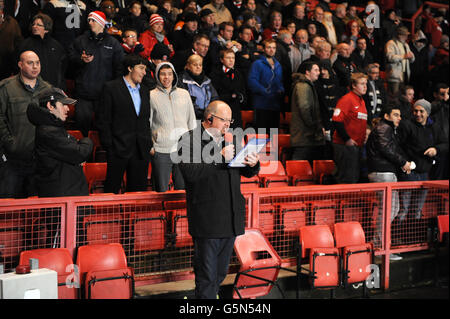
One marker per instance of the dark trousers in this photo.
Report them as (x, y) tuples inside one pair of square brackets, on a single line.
[(162, 167), (347, 160), (211, 260), (136, 168), (17, 179), (266, 119), (84, 113)]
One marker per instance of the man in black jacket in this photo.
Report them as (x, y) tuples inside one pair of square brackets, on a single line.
[(215, 205), (385, 158), (58, 154), (422, 140), (97, 56), (123, 121)]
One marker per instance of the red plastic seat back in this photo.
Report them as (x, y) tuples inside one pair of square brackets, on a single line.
[(271, 168), (100, 257), (149, 230), (59, 260), (325, 264), (293, 216), (56, 259), (315, 236), (349, 234), (356, 260), (254, 251), (300, 171), (442, 226), (324, 212)]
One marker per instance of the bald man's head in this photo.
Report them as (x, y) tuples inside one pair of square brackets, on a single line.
[(29, 65)]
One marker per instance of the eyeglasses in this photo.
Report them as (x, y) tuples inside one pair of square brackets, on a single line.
[(222, 119), (130, 36)]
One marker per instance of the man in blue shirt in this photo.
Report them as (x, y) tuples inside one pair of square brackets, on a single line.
[(124, 127)]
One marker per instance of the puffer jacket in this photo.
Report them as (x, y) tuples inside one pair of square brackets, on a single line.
[(16, 132), (58, 156), (306, 123), (201, 93), (384, 153)]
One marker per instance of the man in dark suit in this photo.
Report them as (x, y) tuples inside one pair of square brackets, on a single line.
[(215, 205), (124, 127)]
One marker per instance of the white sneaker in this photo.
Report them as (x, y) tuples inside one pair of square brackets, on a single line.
[(395, 257)]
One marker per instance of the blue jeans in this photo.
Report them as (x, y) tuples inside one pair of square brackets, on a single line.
[(412, 200), (211, 260)]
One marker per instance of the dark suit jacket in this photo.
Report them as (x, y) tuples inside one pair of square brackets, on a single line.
[(119, 126), (215, 205)]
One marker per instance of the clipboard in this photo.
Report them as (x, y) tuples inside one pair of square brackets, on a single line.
[(255, 145)]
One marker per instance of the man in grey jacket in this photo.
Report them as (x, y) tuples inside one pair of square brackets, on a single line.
[(171, 115), (306, 128), (16, 132)]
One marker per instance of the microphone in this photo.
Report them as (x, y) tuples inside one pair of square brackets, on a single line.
[(228, 138)]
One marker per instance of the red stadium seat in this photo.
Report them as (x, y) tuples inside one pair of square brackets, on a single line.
[(12, 233), (259, 265), (284, 144), (180, 228), (95, 175), (272, 174), (357, 255), (75, 133), (299, 172), (323, 212), (59, 260), (316, 243), (104, 273), (267, 218), (250, 182), (247, 118), (442, 221), (149, 229), (322, 168), (293, 216), (103, 227)]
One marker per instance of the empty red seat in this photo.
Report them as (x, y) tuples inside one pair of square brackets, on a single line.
[(95, 175), (267, 218), (357, 255), (293, 216), (149, 229), (299, 172), (59, 260), (272, 174), (442, 221), (104, 226), (249, 182), (323, 212), (104, 273), (12, 233), (322, 168), (247, 118), (259, 265), (316, 243)]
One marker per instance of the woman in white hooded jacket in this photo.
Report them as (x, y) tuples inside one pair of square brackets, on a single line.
[(171, 115)]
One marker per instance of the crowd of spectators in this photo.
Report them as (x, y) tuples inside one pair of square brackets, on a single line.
[(248, 53)]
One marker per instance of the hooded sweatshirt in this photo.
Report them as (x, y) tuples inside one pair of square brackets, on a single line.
[(171, 113)]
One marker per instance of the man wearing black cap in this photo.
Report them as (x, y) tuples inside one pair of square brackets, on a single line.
[(208, 24), (16, 132), (59, 155), (182, 39)]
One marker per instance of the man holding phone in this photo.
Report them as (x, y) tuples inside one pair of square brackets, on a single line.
[(97, 56)]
